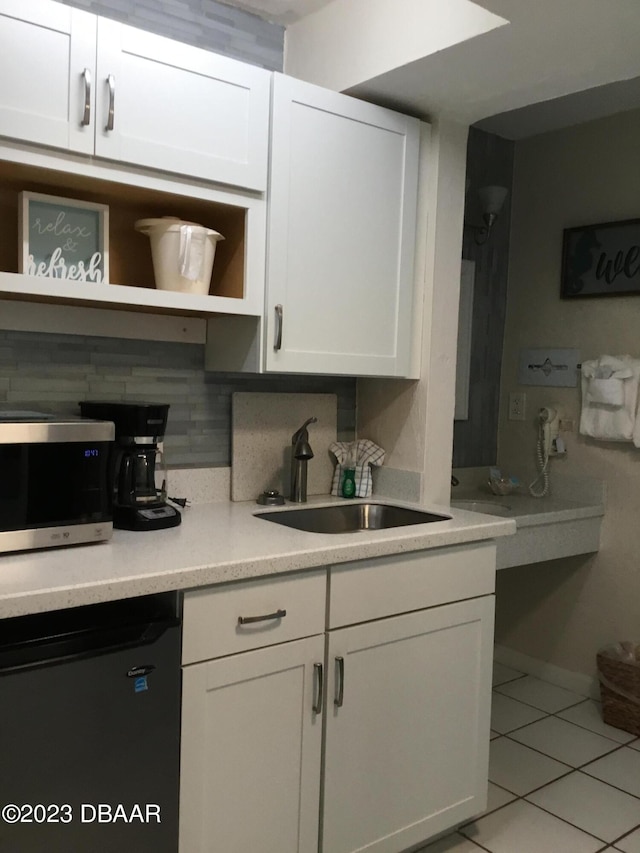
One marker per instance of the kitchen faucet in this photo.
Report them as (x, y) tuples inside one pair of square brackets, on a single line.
[(301, 452)]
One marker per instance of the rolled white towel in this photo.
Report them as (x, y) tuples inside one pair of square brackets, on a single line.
[(602, 416), (608, 392)]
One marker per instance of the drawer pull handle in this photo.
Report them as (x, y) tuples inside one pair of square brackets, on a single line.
[(319, 673), (86, 115), (248, 620), (339, 700), (111, 83), (278, 336)]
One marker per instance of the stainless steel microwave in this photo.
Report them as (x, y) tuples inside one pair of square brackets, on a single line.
[(53, 481)]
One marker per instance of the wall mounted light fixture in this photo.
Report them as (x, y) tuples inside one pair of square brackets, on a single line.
[(491, 200)]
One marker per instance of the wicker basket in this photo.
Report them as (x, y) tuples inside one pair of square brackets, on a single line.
[(619, 692)]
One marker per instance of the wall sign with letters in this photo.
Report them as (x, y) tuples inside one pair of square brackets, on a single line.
[(64, 238), (601, 260)]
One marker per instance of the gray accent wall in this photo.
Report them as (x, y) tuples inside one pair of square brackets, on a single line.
[(203, 23), (489, 162), (52, 373)]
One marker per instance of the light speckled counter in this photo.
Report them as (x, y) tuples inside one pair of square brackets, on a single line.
[(216, 543), (547, 528)]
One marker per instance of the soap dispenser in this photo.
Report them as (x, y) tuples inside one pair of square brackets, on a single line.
[(348, 488)]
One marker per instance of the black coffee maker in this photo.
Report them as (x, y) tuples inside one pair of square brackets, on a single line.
[(138, 503)]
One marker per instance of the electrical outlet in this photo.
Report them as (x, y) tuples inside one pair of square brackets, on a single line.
[(517, 406)]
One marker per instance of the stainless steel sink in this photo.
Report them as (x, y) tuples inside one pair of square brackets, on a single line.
[(349, 518), (487, 507)]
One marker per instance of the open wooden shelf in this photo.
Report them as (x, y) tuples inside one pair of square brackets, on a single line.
[(129, 251), (118, 296)]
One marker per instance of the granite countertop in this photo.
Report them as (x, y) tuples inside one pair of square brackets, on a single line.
[(215, 543), (529, 512)]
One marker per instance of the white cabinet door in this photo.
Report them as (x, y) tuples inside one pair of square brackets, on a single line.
[(180, 109), (251, 742), (47, 68), (407, 751), (341, 233)]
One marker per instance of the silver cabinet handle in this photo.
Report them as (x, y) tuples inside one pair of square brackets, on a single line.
[(319, 673), (86, 115), (111, 83), (248, 620), (277, 344), (339, 699)]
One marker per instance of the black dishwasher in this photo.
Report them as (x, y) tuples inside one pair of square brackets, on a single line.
[(90, 729)]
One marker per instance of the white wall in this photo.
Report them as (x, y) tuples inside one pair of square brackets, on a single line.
[(563, 611), (348, 42), (413, 421)]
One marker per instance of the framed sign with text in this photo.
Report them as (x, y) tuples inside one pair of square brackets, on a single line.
[(64, 238), (601, 260)]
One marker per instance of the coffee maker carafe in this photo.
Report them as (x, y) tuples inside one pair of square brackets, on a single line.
[(137, 460)]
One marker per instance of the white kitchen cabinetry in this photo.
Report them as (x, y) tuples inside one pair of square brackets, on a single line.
[(180, 109), (178, 131), (407, 727), (341, 236), (73, 81), (409, 697), (406, 705), (251, 751), (252, 721), (237, 285), (47, 67)]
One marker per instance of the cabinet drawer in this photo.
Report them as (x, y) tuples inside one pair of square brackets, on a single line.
[(211, 621), (385, 586)]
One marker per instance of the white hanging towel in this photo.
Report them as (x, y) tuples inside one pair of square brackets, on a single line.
[(610, 397), (366, 454)]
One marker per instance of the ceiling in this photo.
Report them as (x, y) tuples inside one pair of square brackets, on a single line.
[(557, 63), (566, 111), (549, 50)]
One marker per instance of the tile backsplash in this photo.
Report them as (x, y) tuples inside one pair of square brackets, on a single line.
[(262, 428), (51, 372)]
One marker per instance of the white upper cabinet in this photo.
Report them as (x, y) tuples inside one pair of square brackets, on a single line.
[(73, 81), (170, 106), (47, 68), (341, 234)]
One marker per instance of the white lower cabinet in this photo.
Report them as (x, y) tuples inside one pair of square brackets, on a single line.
[(375, 743), (407, 729), (251, 746)]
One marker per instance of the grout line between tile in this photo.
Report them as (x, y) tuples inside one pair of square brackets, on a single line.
[(524, 726), (597, 778), (553, 757), (608, 844), (570, 770), (509, 680), (542, 808), (564, 820), (479, 846), (580, 726), (629, 832)]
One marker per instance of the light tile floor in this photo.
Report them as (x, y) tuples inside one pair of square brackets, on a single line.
[(561, 780)]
